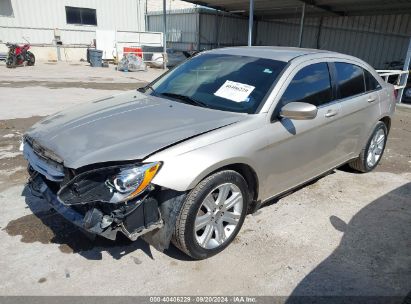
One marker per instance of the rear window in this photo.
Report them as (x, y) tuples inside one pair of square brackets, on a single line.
[(371, 84), (350, 79)]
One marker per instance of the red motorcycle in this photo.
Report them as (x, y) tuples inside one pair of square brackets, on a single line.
[(17, 55)]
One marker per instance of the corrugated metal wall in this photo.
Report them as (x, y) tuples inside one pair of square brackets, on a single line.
[(222, 30), (36, 19), (376, 39), (184, 26), (182, 33)]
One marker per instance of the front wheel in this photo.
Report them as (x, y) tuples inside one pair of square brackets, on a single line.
[(212, 215), (30, 59), (371, 155)]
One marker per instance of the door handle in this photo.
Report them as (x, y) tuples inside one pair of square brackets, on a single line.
[(331, 113), (371, 99)]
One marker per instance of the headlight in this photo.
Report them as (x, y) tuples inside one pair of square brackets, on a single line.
[(109, 185), (131, 182)]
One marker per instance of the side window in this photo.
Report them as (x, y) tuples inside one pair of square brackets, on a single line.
[(350, 79), (6, 9), (311, 84), (371, 84)]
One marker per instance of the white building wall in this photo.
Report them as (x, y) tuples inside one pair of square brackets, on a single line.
[(157, 5), (37, 19)]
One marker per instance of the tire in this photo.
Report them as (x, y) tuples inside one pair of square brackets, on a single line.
[(11, 62), (406, 97), (31, 60), (185, 236), (361, 163)]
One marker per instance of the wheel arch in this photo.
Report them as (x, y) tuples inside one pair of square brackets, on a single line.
[(201, 169), (387, 121), (247, 172)]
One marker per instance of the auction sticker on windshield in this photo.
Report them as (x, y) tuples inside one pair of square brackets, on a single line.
[(234, 91)]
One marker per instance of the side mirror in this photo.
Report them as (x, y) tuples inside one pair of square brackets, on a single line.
[(299, 111)]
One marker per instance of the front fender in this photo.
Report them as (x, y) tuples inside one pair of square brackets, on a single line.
[(184, 172), (186, 164)]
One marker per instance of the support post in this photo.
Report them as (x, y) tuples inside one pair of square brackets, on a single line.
[(320, 24), (164, 35), (404, 77), (250, 23), (300, 37), (198, 25), (58, 53), (222, 22), (217, 28), (145, 17)]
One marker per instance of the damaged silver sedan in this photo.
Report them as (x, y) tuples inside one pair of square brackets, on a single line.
[(185, 158)]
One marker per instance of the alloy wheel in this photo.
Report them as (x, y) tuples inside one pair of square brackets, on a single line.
[(376, 148), (218, 216)]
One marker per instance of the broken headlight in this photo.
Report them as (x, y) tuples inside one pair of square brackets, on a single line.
[(109, 185), (131, 182)]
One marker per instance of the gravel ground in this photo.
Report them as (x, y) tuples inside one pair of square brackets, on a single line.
[(345, 234)]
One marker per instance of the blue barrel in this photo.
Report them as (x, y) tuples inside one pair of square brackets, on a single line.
[(96, 57)]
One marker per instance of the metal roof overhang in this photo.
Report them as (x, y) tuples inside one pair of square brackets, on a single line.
[(277, 9)]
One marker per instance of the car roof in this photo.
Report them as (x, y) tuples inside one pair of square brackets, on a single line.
[(270, 52)]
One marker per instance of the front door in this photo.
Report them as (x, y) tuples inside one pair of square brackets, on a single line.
[(298, 150)]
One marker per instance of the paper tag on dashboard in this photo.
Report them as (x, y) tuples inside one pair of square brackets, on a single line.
[(234, 91)]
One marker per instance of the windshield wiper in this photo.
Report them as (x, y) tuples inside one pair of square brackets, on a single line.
[(145, 88), (185, 99)]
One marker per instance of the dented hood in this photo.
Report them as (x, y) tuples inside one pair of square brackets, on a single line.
[(128, 126)]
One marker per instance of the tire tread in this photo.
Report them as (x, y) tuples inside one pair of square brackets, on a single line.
[(179, 232), (358, 163)]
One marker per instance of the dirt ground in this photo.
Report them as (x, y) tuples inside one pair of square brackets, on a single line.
[(345, 234), (46, 88)]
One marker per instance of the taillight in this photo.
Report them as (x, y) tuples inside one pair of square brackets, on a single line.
[(395, 94)]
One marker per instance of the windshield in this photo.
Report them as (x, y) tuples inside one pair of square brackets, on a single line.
[(220, 81)]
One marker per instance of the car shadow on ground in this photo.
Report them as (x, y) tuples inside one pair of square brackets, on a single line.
[(373, 258), (46, 226)]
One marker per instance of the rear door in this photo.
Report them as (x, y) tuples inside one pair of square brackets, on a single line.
[(357, 92)]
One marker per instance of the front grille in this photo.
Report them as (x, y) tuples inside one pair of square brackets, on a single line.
[(49, 168)]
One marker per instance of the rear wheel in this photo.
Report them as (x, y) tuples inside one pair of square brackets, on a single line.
[(371, 155), (212, 215), (11, 62)]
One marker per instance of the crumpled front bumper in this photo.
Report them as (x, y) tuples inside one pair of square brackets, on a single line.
[(93, 220)]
